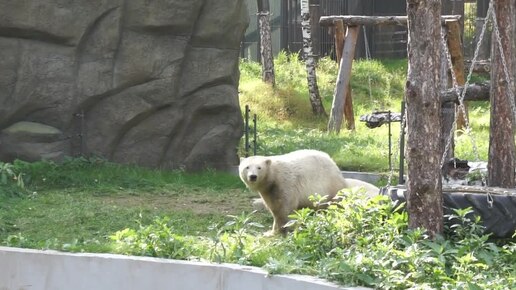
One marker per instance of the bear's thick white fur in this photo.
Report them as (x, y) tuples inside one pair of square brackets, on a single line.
[(285, 182)]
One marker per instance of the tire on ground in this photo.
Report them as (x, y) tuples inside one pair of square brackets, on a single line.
[(499, 218)]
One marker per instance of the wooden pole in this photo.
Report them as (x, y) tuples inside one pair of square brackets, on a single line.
[(353, 20), (340, 33), (343, 77), (349, 115), (475, 92), (454, 41)]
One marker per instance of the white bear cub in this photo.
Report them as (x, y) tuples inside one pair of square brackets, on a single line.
[(285, 182)]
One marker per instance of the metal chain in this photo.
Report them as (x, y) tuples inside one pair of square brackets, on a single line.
[(463, 95), (444, 46)]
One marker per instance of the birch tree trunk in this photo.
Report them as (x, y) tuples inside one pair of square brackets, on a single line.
[(313, 89), (424, 150), (267, 58), (502, 157)]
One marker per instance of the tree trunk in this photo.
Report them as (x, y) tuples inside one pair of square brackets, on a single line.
[(424, 150), (313, 89), (501, 163), (482, 6), (267, 58)]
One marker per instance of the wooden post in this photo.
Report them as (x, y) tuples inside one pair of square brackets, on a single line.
[(454, 42), (348, 100), (339, 39), (343, 77)]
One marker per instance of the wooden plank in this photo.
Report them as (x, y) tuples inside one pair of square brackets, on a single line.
[(353, 20), (343, 77)]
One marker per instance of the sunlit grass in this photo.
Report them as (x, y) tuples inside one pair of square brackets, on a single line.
[(286, 123)]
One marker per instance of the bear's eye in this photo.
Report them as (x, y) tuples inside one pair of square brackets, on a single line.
[(259, 168), (247, 167)]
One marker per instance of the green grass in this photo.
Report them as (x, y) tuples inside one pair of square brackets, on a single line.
[(84, 201), (286, 123)]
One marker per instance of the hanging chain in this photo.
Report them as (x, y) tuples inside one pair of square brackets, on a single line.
[(455, 85), (461, 96)]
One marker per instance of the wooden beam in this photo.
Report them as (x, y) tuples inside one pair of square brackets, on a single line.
[(349, 115), (343, 77), (454, 42), (474, 92), (353, 20), (340, 33)]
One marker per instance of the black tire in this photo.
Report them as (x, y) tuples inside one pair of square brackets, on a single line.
[(499, 218)]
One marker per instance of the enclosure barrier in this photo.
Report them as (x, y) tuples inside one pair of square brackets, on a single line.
[(51, 270)]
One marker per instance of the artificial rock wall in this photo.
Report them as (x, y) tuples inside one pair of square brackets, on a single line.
[(152, 83)]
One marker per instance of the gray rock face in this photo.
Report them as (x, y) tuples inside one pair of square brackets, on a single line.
[(152, 83)]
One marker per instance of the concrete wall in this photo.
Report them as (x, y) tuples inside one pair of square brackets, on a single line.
[(22, 269)]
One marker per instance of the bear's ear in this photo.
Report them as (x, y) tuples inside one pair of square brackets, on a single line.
[(268, 162)]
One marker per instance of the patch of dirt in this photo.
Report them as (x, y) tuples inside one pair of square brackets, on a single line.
[(230, 202)]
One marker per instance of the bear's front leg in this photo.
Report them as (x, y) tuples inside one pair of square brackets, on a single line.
[(280, 219)]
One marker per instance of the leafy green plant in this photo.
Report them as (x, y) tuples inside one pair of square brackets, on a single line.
[(233, 240), (11, 179), (157, 240)]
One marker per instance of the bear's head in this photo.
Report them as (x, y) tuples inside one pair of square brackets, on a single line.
[(254, 170)]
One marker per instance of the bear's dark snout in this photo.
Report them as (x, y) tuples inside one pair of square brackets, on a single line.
[(252, 177)]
